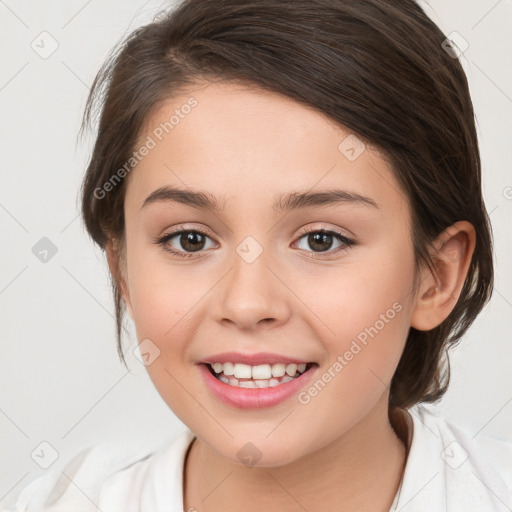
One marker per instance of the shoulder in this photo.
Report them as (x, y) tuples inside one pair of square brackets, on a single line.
[(492, 454), (449, 468), (103, 477)]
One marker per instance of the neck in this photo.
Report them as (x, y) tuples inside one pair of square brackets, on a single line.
[(361, 470)]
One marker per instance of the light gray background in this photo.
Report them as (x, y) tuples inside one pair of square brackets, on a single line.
[(60, 378)]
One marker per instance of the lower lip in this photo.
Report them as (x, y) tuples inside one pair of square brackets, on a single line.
[(254, 398)]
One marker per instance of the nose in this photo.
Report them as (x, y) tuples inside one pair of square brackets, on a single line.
[(252, 295)]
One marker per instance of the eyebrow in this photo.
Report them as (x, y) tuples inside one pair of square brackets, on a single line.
[(283, 203)]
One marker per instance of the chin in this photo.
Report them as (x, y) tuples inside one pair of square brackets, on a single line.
[(258, 452)]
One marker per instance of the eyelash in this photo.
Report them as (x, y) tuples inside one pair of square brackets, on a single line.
[(346, 242)]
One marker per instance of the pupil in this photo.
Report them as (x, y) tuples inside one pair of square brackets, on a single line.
[(194, 241), (319, 238), (191, 238)]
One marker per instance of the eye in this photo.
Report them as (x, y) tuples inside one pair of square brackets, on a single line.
[(190, 240), (194, 241), (322, 240)]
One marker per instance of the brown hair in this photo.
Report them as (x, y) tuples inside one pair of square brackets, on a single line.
[(378, 68)]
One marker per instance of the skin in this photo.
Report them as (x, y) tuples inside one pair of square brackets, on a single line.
[(246, 145)]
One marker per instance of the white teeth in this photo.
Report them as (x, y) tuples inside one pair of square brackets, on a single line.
[(262, 371), (242, 371), (227, 368), (262, 375), (291, 370), (278, 370), (246, 384)]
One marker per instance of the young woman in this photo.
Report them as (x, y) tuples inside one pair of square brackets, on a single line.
[(289, 197)]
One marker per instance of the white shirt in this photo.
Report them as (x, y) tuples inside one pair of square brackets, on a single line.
[(446, 471)]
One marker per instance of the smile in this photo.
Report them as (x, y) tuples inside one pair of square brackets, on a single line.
[(255, 386), (260, 376)]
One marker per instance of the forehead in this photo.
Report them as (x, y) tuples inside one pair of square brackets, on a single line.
[(238, 140)]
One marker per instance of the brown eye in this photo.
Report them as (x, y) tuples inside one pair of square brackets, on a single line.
[(321, 241), (184, 243), (192, 241)]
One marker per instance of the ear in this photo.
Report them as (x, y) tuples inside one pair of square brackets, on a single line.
[(438, 292), (115, 264)]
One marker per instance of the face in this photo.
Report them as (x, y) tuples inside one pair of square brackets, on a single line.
[(323, 282)]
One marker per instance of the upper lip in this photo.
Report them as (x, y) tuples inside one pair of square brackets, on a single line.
[(252, 359)]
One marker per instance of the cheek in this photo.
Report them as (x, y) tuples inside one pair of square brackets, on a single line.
[(365, 312), (367, 315), (369, 288), (162, 297)]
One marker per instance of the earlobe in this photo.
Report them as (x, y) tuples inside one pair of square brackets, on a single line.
[(114, 264), (439, 290)]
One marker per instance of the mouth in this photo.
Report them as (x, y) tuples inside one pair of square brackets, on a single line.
[(241, 375)]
